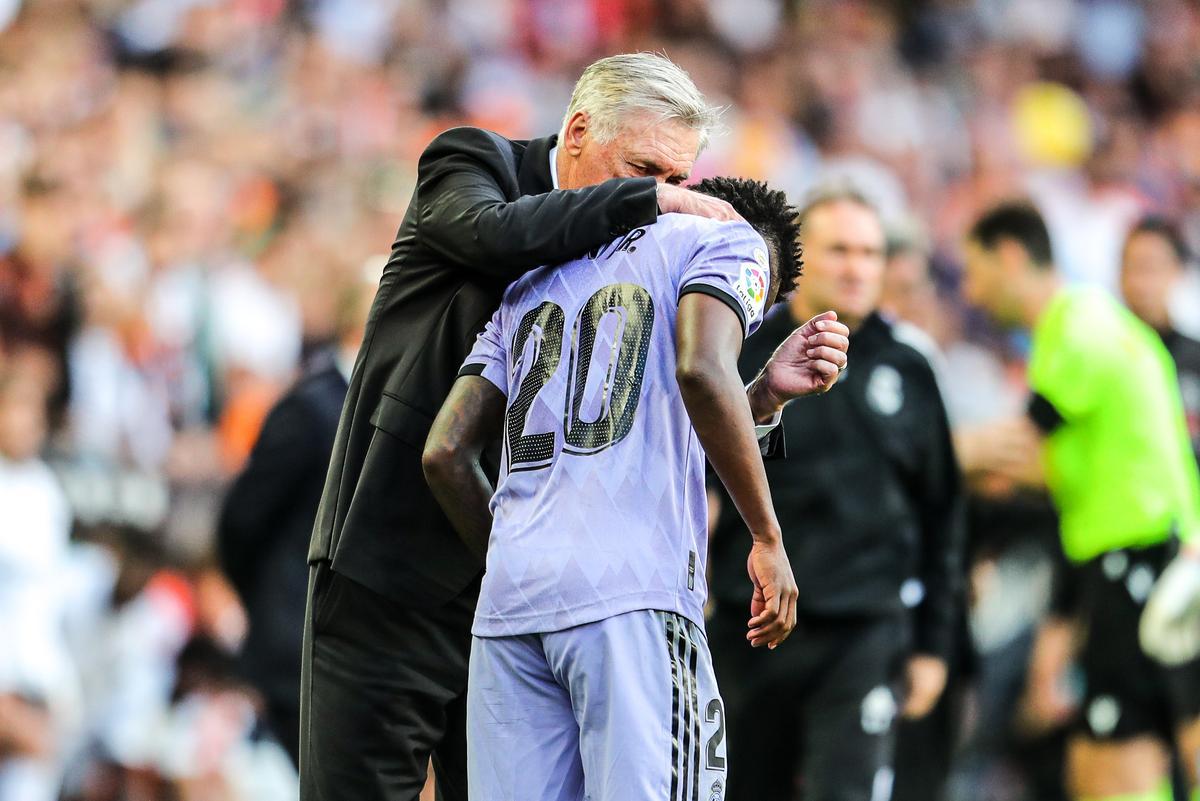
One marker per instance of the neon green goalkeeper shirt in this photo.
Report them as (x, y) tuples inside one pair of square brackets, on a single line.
[(1118, 463)]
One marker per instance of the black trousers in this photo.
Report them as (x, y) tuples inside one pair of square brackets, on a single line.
[(813, 719), (383, 689)]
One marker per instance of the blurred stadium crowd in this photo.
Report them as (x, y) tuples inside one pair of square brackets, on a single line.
[(190, 188)]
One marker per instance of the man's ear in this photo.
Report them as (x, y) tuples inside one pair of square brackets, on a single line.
[(574, 132)]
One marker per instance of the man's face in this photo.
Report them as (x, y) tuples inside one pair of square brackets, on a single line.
[(22, 420), (843, 259), (644, 146), (906, 286), (990, 278), (1149, 269)]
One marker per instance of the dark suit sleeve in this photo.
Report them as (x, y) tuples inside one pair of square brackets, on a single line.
[(942, 500), (281, 461), (465, 216)]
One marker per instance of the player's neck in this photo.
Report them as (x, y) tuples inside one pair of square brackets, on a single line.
[(1040, 289)]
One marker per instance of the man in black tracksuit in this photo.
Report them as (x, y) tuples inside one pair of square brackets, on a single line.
[(874, 536)]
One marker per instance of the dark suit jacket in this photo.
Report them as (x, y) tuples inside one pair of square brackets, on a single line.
[(265, 527), (482, 214)]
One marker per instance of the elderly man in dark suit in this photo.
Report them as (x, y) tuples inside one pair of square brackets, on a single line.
[(392, 589)]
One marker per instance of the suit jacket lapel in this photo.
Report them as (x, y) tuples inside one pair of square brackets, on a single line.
[(533, 177)]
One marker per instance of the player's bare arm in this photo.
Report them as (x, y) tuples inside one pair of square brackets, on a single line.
[(469, 419), (708, 339)]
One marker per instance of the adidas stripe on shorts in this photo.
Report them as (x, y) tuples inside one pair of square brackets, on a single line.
[(623, 709)]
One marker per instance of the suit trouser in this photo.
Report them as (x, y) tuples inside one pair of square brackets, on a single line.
[(383, 689)]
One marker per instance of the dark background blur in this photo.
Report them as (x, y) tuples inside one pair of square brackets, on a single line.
[(187, 186)]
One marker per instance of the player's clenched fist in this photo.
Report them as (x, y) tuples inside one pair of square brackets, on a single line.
[(673, 198), (773, 605), (808, 362)]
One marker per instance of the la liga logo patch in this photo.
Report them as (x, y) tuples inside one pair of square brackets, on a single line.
[(752, 287)]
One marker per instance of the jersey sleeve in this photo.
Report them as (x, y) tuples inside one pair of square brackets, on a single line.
[(730, 263), (1068, 375), (489, 356)]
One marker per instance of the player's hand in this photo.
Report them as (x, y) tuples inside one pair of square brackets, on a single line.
[(808, 362), (773, 605), (673, 198), (1170, 625), (926, 676)]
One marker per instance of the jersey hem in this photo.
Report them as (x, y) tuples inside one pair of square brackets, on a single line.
[(515, 626)]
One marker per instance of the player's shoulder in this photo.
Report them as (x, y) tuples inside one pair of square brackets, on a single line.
[(1091, 308), (678, 227)]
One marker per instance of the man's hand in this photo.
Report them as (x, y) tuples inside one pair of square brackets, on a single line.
[(1170, 626), (926, 680), (808, 362), (1048, 700), (1009, 448), (673, 198), (773, 605)]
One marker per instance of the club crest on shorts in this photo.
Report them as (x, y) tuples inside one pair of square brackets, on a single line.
[(885, 390), (1103, 714), (878, 710), (1139, 582), (1114, 564), (716, 792)]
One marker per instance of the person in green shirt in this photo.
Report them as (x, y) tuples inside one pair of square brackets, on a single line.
[(1106, 415)]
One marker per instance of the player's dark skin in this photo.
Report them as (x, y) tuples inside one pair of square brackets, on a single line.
[(708, 338)]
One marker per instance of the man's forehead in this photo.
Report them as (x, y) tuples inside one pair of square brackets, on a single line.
[(844, 219), (669, 142)]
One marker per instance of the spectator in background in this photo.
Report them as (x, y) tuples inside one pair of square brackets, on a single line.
[(1153, 263), (39, 693), (269, 511), (878, 567)]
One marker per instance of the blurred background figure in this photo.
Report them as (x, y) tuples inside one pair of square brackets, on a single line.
[(268, 514), (185, 186), (1114, 457), (875, 535), (39, 689), (1153, 265)]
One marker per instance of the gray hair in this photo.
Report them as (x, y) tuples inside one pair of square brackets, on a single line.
[(612, 89), (835, 192)]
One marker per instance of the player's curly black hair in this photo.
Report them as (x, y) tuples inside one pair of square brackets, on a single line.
[(768, 212)]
